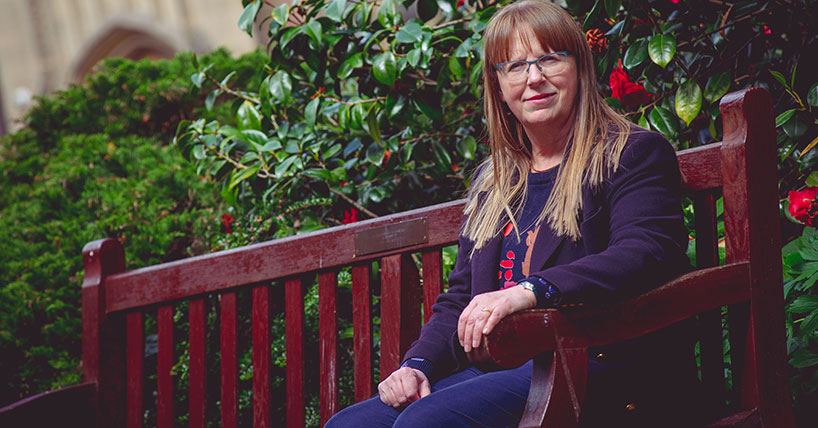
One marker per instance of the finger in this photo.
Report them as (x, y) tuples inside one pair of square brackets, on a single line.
[(408, 388), (468, 333), (477, 329), (425, 387), (495, 318), (386, 395), (461, 324)]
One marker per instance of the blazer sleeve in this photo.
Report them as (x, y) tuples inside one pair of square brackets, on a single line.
[(636, 234)]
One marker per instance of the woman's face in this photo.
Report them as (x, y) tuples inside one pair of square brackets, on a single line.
[(542, 103)]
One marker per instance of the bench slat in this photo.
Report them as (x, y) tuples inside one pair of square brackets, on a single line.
[(328, 344), (294, 336), (432, 280), (362, 331), (229, 360), (164, 365), (134, 351), (400, 309), (197, 370), (261, 356)]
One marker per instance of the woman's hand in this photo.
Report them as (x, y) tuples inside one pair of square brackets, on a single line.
[(487, 309), (403, 387)]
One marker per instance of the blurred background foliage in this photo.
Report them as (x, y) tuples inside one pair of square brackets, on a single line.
[(354, 109)]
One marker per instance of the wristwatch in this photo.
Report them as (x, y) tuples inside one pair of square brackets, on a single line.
[(547, 294)]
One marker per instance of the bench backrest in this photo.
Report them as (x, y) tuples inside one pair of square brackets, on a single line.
[(407, 250)]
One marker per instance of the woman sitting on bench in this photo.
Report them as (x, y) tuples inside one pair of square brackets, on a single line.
[(575, 206)]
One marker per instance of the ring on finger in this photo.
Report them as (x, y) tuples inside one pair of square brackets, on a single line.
[(485, 309)]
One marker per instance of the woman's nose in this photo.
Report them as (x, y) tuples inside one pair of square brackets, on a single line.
[(534, 75)]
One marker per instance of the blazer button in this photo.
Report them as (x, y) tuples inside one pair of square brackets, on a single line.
[(601, 357), (630, 407)]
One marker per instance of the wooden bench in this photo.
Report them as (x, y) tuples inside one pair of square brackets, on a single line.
[(115, 303)]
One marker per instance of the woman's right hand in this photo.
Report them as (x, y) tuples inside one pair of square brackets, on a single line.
[(403, 387)]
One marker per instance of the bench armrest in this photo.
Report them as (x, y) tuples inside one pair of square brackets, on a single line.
[(522, 335)]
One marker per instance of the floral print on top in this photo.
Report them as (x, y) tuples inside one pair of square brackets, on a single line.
[(515, 254)]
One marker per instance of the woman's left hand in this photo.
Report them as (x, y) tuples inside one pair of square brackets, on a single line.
[(487, 309)]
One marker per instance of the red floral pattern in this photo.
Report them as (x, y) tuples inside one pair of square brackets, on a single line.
[(804, 206), (630, 93)]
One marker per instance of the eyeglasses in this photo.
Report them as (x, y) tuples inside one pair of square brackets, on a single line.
[(549, 64)]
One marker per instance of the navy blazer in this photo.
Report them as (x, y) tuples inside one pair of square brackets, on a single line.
[(632, 239)]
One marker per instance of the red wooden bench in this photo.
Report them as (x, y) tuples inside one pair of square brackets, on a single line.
[(115, 302)]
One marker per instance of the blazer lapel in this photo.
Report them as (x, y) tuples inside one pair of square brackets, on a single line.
[(545, 246), (485, 265)]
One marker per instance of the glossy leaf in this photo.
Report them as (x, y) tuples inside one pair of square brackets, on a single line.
[(784, 117), (311, 111), (335, 10), (467, 147), (717, 86), (636, 54), (281, 86), (248, 116), (806, 150), (314, 31), (812, 95), (240, 175), (281, 14), (350, 64), (688, 101), (374, 154), (385, 68), (780, 77), (412, 32), (386, 14), (795, 128), (612, 7), (662, 48), (443, 159), (664, 121), (248, 16), (592, 15)]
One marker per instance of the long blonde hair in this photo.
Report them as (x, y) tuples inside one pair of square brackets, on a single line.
[(595, 140)]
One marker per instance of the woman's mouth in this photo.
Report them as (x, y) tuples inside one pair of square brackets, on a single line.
[(540, 97)]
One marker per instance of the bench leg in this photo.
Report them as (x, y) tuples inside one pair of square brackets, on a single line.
[(557, 389)]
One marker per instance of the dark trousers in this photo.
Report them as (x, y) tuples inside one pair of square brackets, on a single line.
[(470, 398)]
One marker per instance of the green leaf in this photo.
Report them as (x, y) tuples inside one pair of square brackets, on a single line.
[(374, 154), (311, 111), (350, 64), (643, 121), (467, 147), (810, 324), (717, 85), (197, 79), (281, 86), (386, 14), (780, 77), (664, 121), (281, 13), (314, 31), (612, 7), (385, 68), (248, 116), (412, 32), (319, 174), (199, 152), (248, 16), (804, 304), (794, 128), (372, 125), (784, 117), (431, 111), (441, 156), (688, 101), (332, 151), (464, 50), (592, 15), (445, 7), (456, 68), (661, 49), (812, 179), (812, 95), (211, 99), (283, 168), (413, 57), (288, 35), (335, 10), (636, 54), (803, 358), (240, 175)]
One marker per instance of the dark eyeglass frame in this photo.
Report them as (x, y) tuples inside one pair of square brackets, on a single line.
[(533, 62)]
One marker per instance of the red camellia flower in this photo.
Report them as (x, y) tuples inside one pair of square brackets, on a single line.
[(227, 220), (631, 94), (804, 206), (350, 216)]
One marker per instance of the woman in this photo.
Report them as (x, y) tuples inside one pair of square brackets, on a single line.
[(574, 206)]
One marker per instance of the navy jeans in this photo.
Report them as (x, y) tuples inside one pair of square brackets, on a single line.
[(469, 398)]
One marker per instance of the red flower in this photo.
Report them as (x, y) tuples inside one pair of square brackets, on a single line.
[(350, 216), (804, 206), (767, 30), (227, 220), (631, 94), (461, 2)]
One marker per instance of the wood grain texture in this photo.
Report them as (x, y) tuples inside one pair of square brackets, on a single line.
[(362, 331), (700, 167), (400, 309), (749, 153), (135, 344), (520, 336), (432, 280), (272, 260), (328, 344), (164, 366), (197, 401), (103, 341), (228, 344), (294, 337), (262, 416)]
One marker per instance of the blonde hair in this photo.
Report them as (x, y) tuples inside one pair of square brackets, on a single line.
[(595, 139)]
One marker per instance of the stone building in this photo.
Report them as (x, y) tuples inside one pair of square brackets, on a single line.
[(46, 45)]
